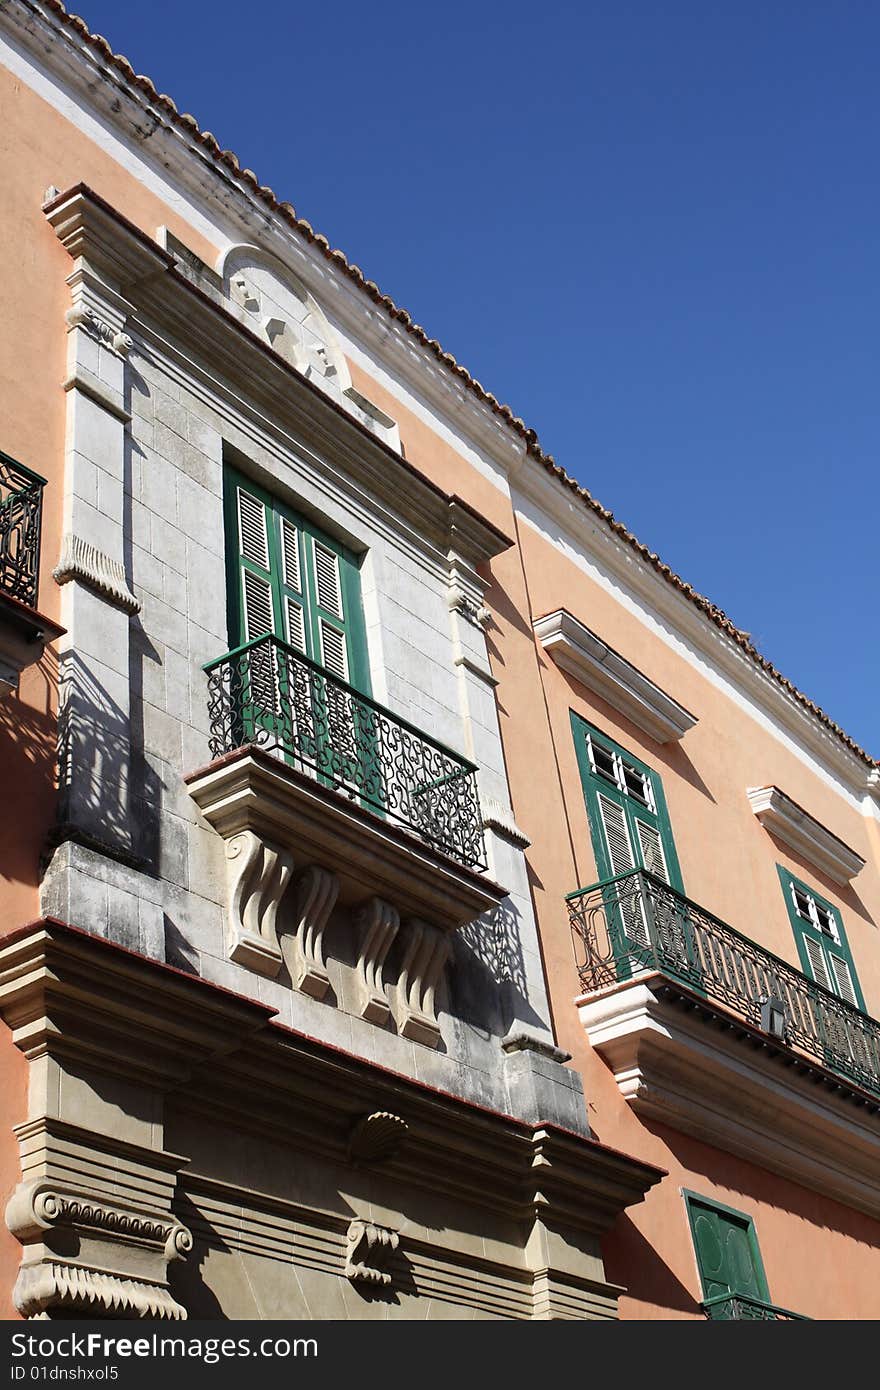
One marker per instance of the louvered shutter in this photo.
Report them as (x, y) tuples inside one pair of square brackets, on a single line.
[(651, 847), (616, 836), (816, 957), (257, 606), (843, 984), (622, 859)]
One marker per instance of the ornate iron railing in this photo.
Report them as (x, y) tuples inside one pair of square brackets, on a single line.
[(635, 923), (739, 1307), (21, 508), (267, 694)]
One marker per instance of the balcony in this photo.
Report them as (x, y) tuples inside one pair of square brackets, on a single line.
[(310, 775), (23, 632), (709, 1032), (738, 1307)]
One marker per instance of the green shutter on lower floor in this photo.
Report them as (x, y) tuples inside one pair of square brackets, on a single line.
[(726, 1246)]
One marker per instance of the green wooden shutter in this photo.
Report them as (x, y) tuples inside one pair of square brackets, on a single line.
[(287, 578), (726, 1246), (821, 939), (626, 808)]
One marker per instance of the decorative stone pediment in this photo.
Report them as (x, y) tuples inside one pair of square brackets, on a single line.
[(796, 828), (270, 300), (584, 655)]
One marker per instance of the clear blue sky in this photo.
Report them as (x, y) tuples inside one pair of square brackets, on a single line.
[(651, 228)]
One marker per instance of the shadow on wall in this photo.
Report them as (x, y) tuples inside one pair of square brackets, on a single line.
[(28, 732), (754, 1185), (489, 964), (253, 1275), (108, 793), (631, 1261)]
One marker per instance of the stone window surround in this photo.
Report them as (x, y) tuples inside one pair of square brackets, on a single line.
[(366, 488)]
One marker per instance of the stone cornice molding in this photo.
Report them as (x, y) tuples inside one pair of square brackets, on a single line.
[(275, 1081), (688, 1064), (795, 827), (161, 299), (584, 655)]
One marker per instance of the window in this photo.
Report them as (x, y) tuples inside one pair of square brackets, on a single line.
[(290, 580), (727, 1251), (629, 828), (629, 823), (821, 940)]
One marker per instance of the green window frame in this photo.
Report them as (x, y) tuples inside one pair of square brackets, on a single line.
[(821, 939), (626, 808), (726, 1246), (287, 577)]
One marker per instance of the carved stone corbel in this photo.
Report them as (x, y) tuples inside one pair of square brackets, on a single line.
[(303, 948), (427, 951), (369, 1249), (258, 875), (377, 923), (85, 1256)]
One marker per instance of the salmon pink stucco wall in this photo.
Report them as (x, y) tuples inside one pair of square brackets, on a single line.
[(821, 1257)]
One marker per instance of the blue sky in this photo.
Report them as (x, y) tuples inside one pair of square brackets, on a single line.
[(650, 228)]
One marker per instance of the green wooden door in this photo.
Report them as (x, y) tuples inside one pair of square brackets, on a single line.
[(726, 1245)]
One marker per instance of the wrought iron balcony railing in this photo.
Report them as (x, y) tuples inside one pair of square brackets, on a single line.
[(636, 924), (267, 694), (739, 1307), (21, 507)]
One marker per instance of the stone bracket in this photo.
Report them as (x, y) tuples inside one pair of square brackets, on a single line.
[(427, 951), (377, 923), (369, 1249), (86, 563), (258, 875), (303, 948), (109, 1242)]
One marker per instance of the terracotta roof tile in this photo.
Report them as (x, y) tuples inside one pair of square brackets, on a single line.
[(529, 436)]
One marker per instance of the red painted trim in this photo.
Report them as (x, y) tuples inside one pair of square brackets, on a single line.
[(55, 923)]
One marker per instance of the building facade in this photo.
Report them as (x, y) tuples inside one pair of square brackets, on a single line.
[(416, 902)]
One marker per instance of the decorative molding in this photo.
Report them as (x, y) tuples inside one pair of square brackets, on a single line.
[(58, 1285), (498, 817), (795, 827), (34, 1209), (83, 316), (303, 948), (528, 1042), (689, 1065), (67, 994), (250, 790), (670, 616), (81, 379), (377, 923), (427, 951), (257, 877), (577, 650), (369, 1250), (84, 562), (377, 1136)]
